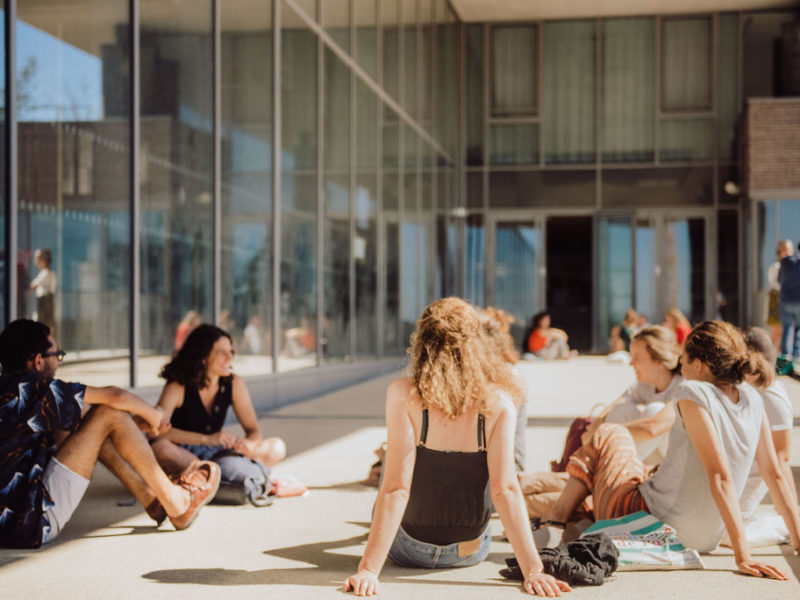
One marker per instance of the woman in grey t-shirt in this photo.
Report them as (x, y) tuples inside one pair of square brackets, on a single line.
[(711, 447)]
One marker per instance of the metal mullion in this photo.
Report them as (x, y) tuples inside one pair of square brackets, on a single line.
[(216, 12), (488, 64), (514, 120), (276, 180), (134, 142), (598, 111), (380, 220), (10, 162), (657, 90), (351, 258), (321, 212), (401, 198)]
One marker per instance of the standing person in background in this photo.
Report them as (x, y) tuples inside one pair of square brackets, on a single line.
[(789, 308), (45, 285), (678, 323), (784, 248)]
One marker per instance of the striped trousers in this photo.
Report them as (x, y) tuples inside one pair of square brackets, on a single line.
[(611, 470)]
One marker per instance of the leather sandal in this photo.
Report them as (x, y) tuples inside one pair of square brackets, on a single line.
[(201, 479)]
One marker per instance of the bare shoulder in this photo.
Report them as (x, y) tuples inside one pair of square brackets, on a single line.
[(237, 383), (502, 408), (172, 394)]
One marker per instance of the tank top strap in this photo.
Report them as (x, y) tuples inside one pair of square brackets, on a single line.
[(481, 433), (423, 432)]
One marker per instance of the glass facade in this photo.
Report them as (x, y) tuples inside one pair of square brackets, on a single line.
[(309, 175)]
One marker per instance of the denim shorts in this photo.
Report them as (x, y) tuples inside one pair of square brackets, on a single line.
[(202, 451), (409, 552)]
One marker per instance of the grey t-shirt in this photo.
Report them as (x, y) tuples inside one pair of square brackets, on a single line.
[(780, 416), (679, 493), (644, 393)]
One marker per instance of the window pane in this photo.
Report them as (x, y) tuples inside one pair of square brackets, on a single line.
[(475, 189), (628, 90), (476, 111), (365, 254), (3, 262), (686, 62), (657, 187), (727, 91), (520, 189), (686, 140), (391, 48), (246, 286), (569, 71), (365, 18), (298, 309), (410, 57), (728, 269), (514, 144), (336, 20), (763, 46), (74, 182), (615, 274), (475, 260), (514, 70)]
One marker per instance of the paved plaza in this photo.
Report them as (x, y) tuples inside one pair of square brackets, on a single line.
[(305, 547)]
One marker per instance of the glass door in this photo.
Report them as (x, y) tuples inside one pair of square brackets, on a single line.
[(515, 257), (615, 273)]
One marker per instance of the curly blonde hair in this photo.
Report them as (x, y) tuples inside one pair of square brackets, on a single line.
[(497, 327), (453, 365)]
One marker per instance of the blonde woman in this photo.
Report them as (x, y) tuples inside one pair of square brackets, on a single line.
[(450, 432), (647, 408), (676, 321)]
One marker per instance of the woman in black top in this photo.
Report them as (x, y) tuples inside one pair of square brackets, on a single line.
[(450, 455), (200, 388)]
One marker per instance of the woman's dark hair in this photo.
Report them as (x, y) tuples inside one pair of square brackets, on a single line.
[(722, 348), (536, 321), (188, 366), (21, 341)]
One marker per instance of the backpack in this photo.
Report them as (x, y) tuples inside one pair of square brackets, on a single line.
[(243, 480)]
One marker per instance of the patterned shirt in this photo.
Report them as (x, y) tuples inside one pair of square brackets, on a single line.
[(32, 409)]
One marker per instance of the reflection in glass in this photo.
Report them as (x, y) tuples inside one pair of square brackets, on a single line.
[(517, 263), (686, 140), (475, 260), (514, 70), (412, 247), (514, 144), (391, 311), (615, 274), (176, 172), (298, 299), (686, 64), (73, 128), (628, 89), (683, 267), (645, 301), (246, 286), (569, 89)]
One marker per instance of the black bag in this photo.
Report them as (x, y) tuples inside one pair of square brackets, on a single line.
[(243, 480)]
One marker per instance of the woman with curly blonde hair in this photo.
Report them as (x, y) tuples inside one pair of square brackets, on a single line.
[(450, 455)]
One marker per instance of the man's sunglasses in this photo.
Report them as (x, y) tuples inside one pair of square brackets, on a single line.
[(59, 353)]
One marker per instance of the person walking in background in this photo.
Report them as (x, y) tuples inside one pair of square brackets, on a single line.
[(784, 248), (789, 308), (44, 286)]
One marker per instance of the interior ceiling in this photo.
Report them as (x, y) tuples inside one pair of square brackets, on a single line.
[(532, 10)]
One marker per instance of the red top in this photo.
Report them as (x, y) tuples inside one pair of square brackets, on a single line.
[(537, 340), (682, 331)]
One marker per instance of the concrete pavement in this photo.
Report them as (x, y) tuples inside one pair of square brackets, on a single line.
[(304, 547)]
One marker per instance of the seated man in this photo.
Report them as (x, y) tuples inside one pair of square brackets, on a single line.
[(41, 485)]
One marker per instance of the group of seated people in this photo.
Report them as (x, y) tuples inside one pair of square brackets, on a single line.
[(621, 335), (705, 412), (52, 433)]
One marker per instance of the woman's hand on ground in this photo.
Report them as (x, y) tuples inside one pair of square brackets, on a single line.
[(542, 584), (759, 569), (362, 583)]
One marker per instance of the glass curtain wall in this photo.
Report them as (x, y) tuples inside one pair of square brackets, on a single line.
[(246, 139), (3, 199), (299, 206), (73, 177)]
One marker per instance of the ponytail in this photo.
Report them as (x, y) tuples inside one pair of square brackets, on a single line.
[(756, 364)]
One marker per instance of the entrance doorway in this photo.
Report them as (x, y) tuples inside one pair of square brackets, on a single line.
[(569, 277)]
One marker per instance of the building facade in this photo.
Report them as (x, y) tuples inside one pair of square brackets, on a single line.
[(310, 174)]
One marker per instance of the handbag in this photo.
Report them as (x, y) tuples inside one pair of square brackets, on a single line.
[(243, 480)]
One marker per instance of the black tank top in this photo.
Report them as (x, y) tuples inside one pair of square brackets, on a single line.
[(450, 499), (192, 415)]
